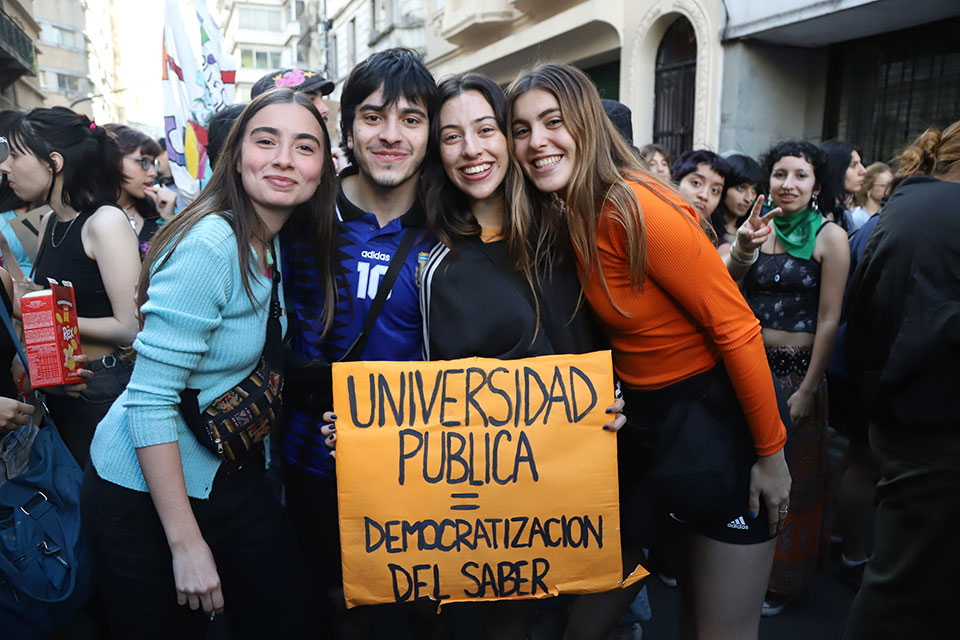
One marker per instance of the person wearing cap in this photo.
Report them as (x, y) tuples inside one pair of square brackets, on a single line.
[(302, 80)]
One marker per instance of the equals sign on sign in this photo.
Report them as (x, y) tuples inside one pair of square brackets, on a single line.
[(464, 496)]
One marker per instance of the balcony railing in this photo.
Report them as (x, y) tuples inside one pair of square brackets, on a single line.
[(16, 48)]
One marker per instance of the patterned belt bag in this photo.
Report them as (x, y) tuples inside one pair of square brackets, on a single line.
[(235, 424)]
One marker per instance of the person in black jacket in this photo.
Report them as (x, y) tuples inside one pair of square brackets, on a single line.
[(480, 293), (474, 299), (904, 355)]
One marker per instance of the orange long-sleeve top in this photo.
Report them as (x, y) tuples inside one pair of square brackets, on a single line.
[(687, 315)]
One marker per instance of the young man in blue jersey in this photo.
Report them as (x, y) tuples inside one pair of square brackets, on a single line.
[(386, 106)]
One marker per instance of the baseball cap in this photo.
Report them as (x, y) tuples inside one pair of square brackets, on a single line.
[(302, 80)]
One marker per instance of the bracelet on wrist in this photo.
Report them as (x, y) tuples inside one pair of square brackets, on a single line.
[(738, 258)]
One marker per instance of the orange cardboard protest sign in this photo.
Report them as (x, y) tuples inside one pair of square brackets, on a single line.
[(477, 479)]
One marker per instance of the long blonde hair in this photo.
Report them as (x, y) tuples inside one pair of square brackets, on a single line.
[(874, 171), (605, 162)]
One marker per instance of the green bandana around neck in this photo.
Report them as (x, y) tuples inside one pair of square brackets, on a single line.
[(798, 231)]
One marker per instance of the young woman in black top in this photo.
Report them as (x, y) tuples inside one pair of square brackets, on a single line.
[(146, 206), (65, 160), (480, 295), (795, 288), (475, 301)]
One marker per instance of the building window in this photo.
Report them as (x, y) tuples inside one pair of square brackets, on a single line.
[(260, 18), (254, 59), (332, 57), (62, 82), (885, 90), (352, 43), (60, 37)]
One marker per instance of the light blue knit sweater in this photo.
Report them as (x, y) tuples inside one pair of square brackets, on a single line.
[(200, 332)]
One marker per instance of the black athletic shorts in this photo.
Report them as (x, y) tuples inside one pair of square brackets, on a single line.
[(643, 521)]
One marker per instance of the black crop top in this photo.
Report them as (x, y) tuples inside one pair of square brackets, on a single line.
[(61, 257), (784, 292)]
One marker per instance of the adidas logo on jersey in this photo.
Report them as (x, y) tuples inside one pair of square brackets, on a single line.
[(375, 255), (739, 523)]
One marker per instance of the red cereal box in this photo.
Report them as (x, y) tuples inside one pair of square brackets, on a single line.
[(51, 334)]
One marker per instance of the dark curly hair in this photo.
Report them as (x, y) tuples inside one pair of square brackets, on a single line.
[(798, 149)]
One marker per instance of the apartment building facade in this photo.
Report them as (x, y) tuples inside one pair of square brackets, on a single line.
[(734, 74), (261, 37), (63, 63), (19, 33)]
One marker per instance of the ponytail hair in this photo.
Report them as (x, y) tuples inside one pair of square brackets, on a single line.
[(91, 157), (933, 152)]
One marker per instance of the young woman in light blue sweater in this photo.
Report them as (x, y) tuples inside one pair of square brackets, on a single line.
[(168, 522)]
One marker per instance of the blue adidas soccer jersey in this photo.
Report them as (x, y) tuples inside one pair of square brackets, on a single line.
[(364, 251)]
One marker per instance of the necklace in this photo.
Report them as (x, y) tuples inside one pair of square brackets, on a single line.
[(53, 229), (779, 263), (133, 223), (267, 255)]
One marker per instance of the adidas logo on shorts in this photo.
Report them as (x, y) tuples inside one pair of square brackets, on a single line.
[(739, 523)]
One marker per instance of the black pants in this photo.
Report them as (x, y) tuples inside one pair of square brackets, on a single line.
[(266, 593), (77, 418), (910, 587), (312, 506)]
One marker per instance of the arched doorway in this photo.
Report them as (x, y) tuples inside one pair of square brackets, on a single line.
[(675, 87)]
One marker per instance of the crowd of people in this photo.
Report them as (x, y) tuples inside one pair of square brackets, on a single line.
[(458, 219)]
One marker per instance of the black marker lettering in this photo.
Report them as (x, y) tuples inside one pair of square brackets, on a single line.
[(470, 393), (444, 398), (413, 433), (577, 417), (352, 395)]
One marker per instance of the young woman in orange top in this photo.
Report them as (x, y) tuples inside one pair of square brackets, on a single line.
[(684, 342)]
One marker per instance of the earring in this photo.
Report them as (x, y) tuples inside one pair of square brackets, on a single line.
[(814, 203)]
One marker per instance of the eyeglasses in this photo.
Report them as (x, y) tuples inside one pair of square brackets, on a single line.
[(145, 162)]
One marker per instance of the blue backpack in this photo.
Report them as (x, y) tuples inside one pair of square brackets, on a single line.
[(45, 566)]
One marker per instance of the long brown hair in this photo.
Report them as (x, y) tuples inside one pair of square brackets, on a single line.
[(933, 153), (313, 219), (447, 208), (604, 164)]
